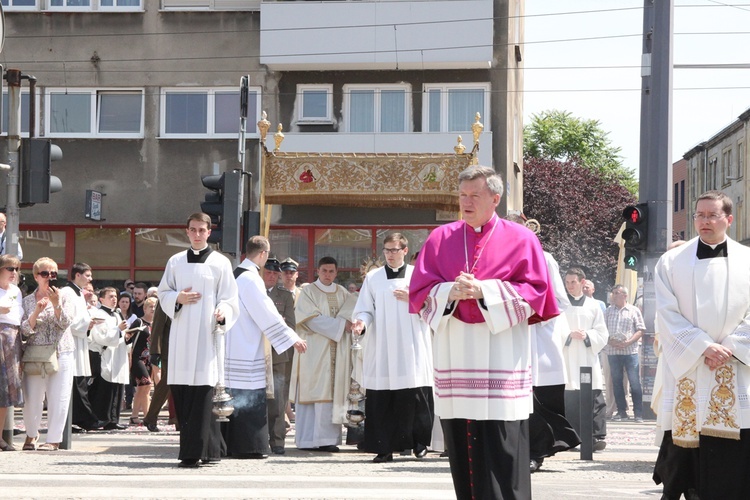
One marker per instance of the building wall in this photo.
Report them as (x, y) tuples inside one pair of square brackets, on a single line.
[(680, 209), (149, 50), (720, 163)]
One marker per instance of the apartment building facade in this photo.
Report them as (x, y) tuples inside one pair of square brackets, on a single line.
[(143, 98)]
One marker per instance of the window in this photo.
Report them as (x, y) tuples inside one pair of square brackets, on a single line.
[(452, 107), (89, 5), (377, 109), (116, 113), (682, 194), (210, 4), (24, 113), (740, 159), (676, 197), (315, 103), (20, 4), (208, 113), (726, 166)]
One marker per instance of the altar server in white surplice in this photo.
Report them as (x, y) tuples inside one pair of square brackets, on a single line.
[(197, 292), (246, 433), (321, 377), (588, 335), (397, 370), (703, 305)]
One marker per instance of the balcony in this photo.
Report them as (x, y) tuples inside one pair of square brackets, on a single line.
[(373, 35)]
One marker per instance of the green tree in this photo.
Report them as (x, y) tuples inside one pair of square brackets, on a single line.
[(558, 135)]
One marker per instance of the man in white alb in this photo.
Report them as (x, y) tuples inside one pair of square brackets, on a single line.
[(703, 320), (397, 371)]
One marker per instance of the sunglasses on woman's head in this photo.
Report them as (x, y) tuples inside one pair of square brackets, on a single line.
[(48, 274)]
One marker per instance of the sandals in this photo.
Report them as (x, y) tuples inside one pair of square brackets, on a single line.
[(29, 445), (49, 447)]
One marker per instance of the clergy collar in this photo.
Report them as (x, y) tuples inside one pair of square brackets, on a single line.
[(107, 310), (706, 251), (76, 288), (578, 302), (326, 288), (396, 269), (198, 252), (486, 226)]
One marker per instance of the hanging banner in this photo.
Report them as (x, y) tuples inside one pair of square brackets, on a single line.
[(411, 180)]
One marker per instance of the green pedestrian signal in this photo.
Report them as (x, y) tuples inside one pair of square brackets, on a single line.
[(631, 261)]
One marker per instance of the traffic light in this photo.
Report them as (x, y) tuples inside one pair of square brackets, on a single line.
[(222, 204), (37, 181), (635, 233)]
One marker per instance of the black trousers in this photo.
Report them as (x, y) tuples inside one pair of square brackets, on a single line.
[(719, 469), (489, 459), (573, 412), (83, 411), (200, 435), (106, 405), (549, 430), (247, 429), (398, 420)]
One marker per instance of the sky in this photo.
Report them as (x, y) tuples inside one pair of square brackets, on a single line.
[(584, 56)]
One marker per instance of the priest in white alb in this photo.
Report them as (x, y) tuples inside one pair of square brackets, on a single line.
[(703, 305), (198, 292), (478, 283), (321, 377), (246, 433), (397, 367)]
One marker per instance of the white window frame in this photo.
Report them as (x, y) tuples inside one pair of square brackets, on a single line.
[(252, 131), (94, 6), (94, 94), (21, 8), (210, 5), (348, 88), (328, 118), (444, 88), (36, 122)]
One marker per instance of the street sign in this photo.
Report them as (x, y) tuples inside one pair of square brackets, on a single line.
[(93, 205)]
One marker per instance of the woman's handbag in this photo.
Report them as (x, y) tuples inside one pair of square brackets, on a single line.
[(40, 360)]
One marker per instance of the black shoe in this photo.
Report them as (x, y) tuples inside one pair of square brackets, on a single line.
[(535, 464), (330, 448), (78, 430), (420, 451), (113, 426), (152, 427), (444, 454), (278, 450), (189, 464), (383, 457), (99, 424), (249, 456), (599, 444)]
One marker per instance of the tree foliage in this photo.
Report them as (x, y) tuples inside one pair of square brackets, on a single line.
[(557, 135), (580, 212)]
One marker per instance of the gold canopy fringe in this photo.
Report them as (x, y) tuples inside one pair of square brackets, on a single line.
[(405, 180)]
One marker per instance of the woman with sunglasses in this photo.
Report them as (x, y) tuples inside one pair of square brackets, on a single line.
[(45, 321), (10, 342)]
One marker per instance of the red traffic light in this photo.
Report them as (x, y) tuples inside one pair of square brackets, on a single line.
[(633, 214)]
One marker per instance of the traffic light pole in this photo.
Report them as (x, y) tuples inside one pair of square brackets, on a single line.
[(655, 175), (13, 76)]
